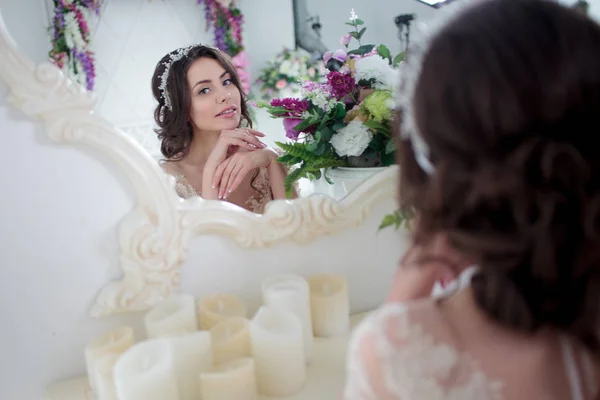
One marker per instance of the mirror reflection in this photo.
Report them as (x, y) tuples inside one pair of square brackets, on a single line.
[(299, 106)]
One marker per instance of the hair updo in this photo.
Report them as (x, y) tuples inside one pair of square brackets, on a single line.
[(174, 128), (508, 102)]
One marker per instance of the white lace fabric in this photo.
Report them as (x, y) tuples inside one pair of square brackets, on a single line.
[(400, 353), (255, 203)]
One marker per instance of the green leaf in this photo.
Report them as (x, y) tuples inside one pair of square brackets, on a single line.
[(390, 147), (337, 126), (388, 159), (305, 124), (398, 219), (355, 35), (362, 50), (359, 22), (383, 51), (321, 147), (350, 24), (399, 58), (377, 126), (312, 146), (340, 111), (327, 133), (361, 33), (377, 143)]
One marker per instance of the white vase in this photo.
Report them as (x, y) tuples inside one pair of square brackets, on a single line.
[(345, 180)]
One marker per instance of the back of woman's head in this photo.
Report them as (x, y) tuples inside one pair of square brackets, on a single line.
[(508, 103), (173, 95)]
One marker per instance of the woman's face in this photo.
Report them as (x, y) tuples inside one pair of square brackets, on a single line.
[(215, 100)]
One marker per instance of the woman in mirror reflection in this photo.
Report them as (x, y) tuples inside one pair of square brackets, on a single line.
[(206, 133), (500, 113)]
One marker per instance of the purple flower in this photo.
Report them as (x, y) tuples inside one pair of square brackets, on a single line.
[(345, 40), (289, 124), (339, 55), (342, 85), (294, 107)]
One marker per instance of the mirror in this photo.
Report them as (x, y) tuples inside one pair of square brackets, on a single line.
[(128, 49), (115, 119)]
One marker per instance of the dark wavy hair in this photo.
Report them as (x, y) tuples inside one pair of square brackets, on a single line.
[(174, 127), (508, 101)]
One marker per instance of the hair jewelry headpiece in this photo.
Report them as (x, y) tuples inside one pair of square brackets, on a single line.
[(411, 71), (174, 56)]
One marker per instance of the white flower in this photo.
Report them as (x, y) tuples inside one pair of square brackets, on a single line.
[(378, 68), (285, 67), (73, 36), (353, 16), (351, 140)]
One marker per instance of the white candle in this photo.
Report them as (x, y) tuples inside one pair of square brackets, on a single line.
[(329, 305), (175, 315), (278, 349), (214, 309), (232, 380), (230, 339), (192, 354), (116, 341), (291, 293), (104, 377), (147, 371)]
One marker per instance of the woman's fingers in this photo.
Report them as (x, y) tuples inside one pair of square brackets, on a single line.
[(236, 178), (219, 173), (226, 179)]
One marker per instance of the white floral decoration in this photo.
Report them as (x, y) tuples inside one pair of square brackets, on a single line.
[(351, 140), (378, 68)]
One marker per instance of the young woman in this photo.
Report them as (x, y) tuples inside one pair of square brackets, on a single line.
[(500, 112), (207, 148)]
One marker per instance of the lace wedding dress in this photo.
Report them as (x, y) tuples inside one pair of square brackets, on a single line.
[(255, 203), (403, 352)]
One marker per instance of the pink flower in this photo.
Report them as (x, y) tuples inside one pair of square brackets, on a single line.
[(288, 125), (281, 84), (339, 55), (345, 40), (241, 63)]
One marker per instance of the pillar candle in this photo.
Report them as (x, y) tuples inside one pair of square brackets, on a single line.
[(103, 377), (277, 345), (232, 380), (173, 316), (329, 305), (230, 339), (116, 341), (291, 293), (192, 354), (147, 371), (214, 309)]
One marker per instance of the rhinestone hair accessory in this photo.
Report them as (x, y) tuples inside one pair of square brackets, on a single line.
[(174, 56), (411, 71)]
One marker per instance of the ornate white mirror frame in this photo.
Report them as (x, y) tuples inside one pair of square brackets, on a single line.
[(154, 236)]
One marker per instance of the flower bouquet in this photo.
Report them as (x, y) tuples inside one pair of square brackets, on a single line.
[(283, 73), (345, 121)]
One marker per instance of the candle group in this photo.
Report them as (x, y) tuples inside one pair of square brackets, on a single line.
[(231, 357)]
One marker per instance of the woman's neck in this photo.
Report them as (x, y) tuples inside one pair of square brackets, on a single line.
[(201, 147)]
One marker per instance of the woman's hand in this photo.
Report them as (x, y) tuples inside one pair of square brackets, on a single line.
[(232, 171), (231, 140)]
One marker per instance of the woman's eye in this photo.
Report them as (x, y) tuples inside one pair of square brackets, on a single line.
[(227, 82), (204, 91)]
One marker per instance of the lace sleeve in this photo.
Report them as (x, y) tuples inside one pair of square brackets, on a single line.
[(405, 352)]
